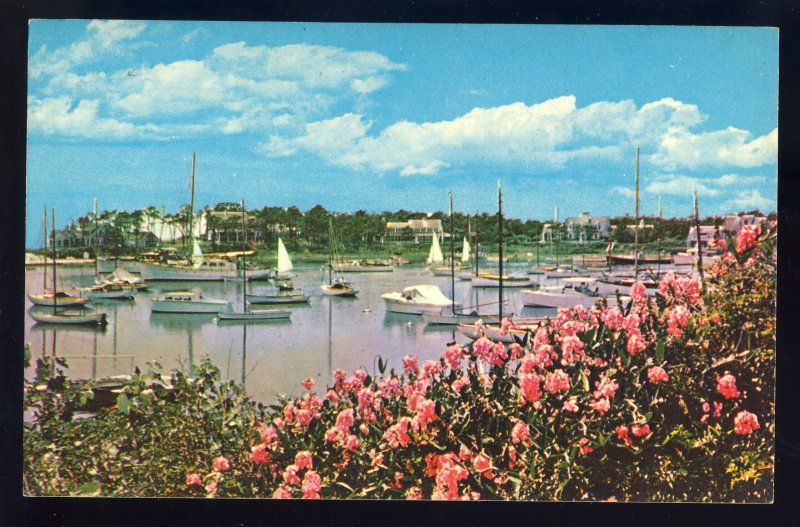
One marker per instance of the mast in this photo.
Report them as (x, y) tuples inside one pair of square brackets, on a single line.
[(477, 243), (500, 248), (244, 266), (191, 201), (452, 257), (699, 249), (45, 251), (556, 234), (55, 289), (636, 224), (94, 238), (330, 251)]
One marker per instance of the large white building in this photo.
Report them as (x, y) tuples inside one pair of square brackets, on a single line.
[(421, 231)]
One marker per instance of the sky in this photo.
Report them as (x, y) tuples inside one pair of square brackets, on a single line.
[(390, 116)]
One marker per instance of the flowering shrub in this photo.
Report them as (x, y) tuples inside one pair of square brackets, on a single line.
[(665, 398)]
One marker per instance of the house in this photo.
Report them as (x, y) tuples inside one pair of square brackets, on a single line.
[(585, 228), (225, 226), (707, 233), (416, 231), (733, 223)]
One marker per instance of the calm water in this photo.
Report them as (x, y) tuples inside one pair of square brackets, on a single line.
[(269, 357)]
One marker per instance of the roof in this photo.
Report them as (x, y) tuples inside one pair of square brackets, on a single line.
[(415, 224)]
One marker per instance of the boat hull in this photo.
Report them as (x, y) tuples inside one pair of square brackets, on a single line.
[(553, 299), (332, 291), (363, 268), (255, 314), (414, 308), (62, 301), (443, 270), (278, 299), (493, 333), (194, 306), (94, 319), (449, 319), (483, 281)]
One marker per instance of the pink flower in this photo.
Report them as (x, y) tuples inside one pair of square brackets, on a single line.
[(520, 433), (312, 484), (657, 374), (481, 463), (612, 316), (345, 419), (515, 351), (572, 350), (529, 384), (677, 318), (303, 460), (556, 381), (482, 348), (194, 479), (726, 386), (211, 488), (622, 433), (260, 455), (268, 434), (636, 343), (308, 383), (221, 464), (290, 475), (352, 443), (410, 365), (747, 238), (332, 396), (413, 493), (745, 423), (640, 431), (431, 369), (459, 383), (453, 355), (605, 388), (601, 406), (282, 493), (584, 447), (570, 406), (638, 292)]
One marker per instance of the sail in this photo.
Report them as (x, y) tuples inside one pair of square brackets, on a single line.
[(435, 256), (197, 254), (465, 251), (284, 263)]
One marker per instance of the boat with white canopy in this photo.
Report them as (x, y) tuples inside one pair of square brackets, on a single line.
[(418, 299)]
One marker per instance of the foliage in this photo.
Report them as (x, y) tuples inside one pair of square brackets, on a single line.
[(665, 398)]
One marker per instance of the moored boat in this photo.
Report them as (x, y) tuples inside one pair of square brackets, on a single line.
[(510, 280), (418, 299), (58, 298), (90, 318), (289, 297), (339, 287), (446, 318), (496, 334), (188, 302)]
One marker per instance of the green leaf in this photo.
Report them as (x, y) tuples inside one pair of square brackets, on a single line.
[(584, 381), (123, 403), (90, 488), (660, 351)]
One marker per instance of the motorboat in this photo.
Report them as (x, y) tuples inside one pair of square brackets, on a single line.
[(339, 287), (572, 292), (106, 291), (188, 302), (509, 280), (418, 299)]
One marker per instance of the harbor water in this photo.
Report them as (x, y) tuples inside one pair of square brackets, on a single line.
[(268, 357)]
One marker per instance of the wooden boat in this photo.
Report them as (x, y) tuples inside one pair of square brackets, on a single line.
[(247, 313), (418, 299), (89, 318), (279, 298), (188, 302), (493, 280), (58, 298)]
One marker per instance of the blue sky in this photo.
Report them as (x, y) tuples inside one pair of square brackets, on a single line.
[(383, 117)]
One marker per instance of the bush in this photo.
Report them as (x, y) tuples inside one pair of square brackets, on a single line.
[(667, 399)]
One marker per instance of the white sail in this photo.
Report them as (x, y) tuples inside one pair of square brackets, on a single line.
[(465, 251), (284, 262), (435, 256), (197, 254)]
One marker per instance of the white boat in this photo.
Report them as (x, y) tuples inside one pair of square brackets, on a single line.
[(465, 252), (58, 298), (611, 284), (494, 333), (572, 292), (435, 260), (44, 317), (200, 269), (289, 297), (447, 318), (493, 280), (123, 278), (363, 266), (689, 257), (188, 302), (105, 291), (339, 287), (561, 272), (418, 299), (247, 313), (465, 275)]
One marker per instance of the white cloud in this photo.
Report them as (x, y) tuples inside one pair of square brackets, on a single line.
[(680, 147), (60, 116), (109, 32), (624, 191), (749, 200), (680, 185)]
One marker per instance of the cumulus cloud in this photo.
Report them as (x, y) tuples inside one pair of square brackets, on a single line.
[(750, 200), (681, 148), (61, 116)]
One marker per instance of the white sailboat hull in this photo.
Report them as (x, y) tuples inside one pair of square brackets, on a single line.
[(413, 308), (493, 333), (555, 299), (484, 281), (61, 301), (443, 270), (449, 319), (207, 305), (328, 290), (360, 268), (278, 299)]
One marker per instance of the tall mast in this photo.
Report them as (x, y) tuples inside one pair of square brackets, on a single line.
[(191, 201), (477, 242), (45, 249), (54, 261), (636, 224), (244, 266), (500, 248), (94, 239), (330, 251), (699, 249), (452, 257)]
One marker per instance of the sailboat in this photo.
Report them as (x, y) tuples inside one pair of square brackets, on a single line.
[(247, 313), (435, 260), (285, 293), (61, 317), (103, 290), (340, 286), (201, 268), (48, 297)]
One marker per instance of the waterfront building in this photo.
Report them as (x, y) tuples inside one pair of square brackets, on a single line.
[(414, 231)]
